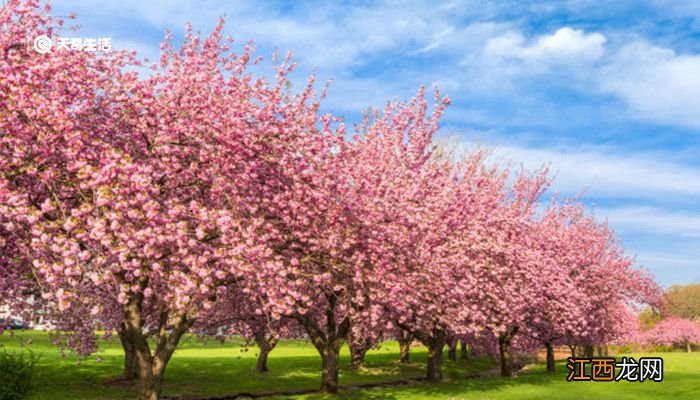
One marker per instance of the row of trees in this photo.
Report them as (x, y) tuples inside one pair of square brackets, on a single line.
[(202, 198), (675, 322), (671, 331)]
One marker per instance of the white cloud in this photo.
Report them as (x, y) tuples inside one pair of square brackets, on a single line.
[(607, 174), (438, 39), (681, 267), (657, 84), (566, 45), (653, 219), (507, 61)]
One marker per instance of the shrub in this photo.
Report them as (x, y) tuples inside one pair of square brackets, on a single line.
[(16, 371)]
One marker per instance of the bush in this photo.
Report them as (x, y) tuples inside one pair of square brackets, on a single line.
[(16, 371)]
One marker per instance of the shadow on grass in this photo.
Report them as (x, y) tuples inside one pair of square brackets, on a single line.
[(187, 377), (450, 388), (300, 376)]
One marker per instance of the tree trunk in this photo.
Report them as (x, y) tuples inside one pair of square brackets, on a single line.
[(261, 365), (150, 379), (572, 347), (405, 340), (357, 356), (506, 357), (150, 384), (550, 357), (464, 352), (359, 346), (328, 342), (605, 350), (329, 373), (150, 367), (129, 372), (265, 344), (452, 351), (588, 351), (504, 347), (687, 347), (435, 360)]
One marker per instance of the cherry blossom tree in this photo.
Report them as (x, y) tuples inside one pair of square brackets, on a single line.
[(674, 331), (506, 263), (555, 309), (409, 190), (575, 303), (332, 253), (611, 287), (148, 188), (311, 277), (49, 104)]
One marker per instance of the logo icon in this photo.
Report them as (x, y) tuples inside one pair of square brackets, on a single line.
[(42, 44)]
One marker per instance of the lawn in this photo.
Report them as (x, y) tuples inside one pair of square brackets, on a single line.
[(210, 368)]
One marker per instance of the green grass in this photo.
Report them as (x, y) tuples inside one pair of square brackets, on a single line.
[(201, 369)]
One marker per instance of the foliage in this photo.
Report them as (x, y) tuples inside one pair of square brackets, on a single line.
[(682, 301), (648, 318), (16, 373)]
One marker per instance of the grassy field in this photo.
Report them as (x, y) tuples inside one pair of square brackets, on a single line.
[(202, 369)]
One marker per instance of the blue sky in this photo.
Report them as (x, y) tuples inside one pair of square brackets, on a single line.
[(607, 93)]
